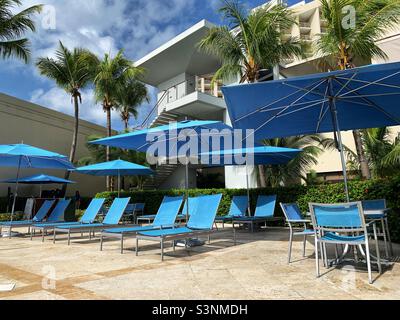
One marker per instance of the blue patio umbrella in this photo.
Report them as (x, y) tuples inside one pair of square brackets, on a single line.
[(259, 155), (174, 136), (116, 168), (40, 179), (25, 156), (366, 97)]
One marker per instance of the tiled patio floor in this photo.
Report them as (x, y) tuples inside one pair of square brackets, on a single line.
[(254, 269)]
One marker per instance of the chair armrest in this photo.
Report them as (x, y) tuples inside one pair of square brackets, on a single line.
[(299, 221)]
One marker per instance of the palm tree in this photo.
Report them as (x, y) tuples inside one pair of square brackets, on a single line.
[(251, 42), (70, 71), (12, 28), (347, 43), (296, 168), (130, 98), (110, 77)]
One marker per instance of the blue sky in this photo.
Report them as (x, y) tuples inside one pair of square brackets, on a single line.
[(103, 26)]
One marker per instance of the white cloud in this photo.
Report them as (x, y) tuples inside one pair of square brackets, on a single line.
[(59, 100), (103, 26)]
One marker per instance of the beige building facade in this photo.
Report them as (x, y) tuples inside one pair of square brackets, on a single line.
[(22, 121)]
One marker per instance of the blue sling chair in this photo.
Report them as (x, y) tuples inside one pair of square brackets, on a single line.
[(294, 218), (377, 210), (238, 209), (342, 224), (89, 217), (39, 217), (111, 221), (165, 218), (264, 212), (200, 224), (150, 218)]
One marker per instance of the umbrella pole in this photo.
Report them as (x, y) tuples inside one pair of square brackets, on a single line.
[(119, 184), (16, 191), (248, 191), (187, 188)]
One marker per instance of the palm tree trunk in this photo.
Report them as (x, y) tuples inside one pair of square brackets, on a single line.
[(109, 133), (126, 121), (261, 171), (365, 170), (74, 142)]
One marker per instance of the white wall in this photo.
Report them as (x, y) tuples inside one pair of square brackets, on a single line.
[(177, 180)]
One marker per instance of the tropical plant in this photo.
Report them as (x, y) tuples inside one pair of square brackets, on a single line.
[(98, 154), (13, 26), (353, 28), (129, 99), (250, 42), (111, 76), (71, 72), (297, 168)]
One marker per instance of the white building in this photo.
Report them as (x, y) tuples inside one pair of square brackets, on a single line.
[(183, 74)]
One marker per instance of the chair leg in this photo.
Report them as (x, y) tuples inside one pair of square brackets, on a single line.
[(385, 237), (101, 243), (162, 249), (137, 246), (122, 244), (304, 246), (326, 256), (378, 254), (322, 253), (69, 237), (234, 235), (317, 257), (54, 236), (368, 257), (42, 235), (31, 235), (388, 236), (290, 246)]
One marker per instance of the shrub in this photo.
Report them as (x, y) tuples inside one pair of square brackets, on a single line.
[(332, 193)]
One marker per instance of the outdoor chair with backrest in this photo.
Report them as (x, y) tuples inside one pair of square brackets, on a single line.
[(376, 210), (294, 218), (165, 218), (200, 224), (265, 210), (111, 221), (88, 217), (238, 209), (342, 224), (39, 217)]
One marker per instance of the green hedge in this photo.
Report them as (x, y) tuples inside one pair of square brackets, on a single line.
[(333, 193)]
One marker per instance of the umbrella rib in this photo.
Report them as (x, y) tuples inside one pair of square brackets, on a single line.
[(294, 105), (303, 108), (347, 83), (374, 105), (276, 101), (371, 95), (366, 82), (322, 114), (376, 82), (281, 112)]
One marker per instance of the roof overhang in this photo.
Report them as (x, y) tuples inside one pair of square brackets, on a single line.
[(179, 55)]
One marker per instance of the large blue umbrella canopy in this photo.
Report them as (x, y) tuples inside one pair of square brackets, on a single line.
[(40, 179), (251, 156), (115, 168), (142, 140), (26, 156), (366, 97)]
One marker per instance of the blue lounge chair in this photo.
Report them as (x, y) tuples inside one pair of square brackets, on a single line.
[(200, 224), (165, 218), (111, 221), (88, 218), (238, 209), (294, 217), (39, 217), (264, 212), (150, 218), (377, 210), (342, 224)]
